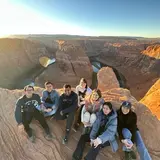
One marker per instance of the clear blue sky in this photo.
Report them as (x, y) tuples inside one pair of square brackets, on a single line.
[(84, 17)]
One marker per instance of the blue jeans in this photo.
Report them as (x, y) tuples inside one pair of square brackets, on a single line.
[(46, 114), (142, 150)]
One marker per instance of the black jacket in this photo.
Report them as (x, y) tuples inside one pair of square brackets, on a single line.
[(128, 121), (69, 103), (26, 105)]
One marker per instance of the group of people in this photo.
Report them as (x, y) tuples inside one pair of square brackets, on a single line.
[(102, 124)]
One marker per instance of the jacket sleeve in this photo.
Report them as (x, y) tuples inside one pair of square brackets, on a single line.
[(39, 99), (133, 127), (18, 113), (110, 131), (95, 128), (43, 96), (56, 100), (119, 129), (82, 114), (73, 106), (77, 95)]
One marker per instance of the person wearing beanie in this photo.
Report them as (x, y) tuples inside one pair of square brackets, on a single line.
[(129, 133), (103, 134)]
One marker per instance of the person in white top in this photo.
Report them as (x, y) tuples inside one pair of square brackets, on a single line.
[(93, 104), (82, 91)]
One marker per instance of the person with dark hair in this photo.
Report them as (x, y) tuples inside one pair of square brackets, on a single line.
[(82, 91), (68, 102), (26, 110), (129, 133), (92, 105), (103, 134), (50, 99)]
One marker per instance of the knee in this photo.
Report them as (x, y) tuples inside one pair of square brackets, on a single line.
[(93, 118), (86, 117), (126, 133)]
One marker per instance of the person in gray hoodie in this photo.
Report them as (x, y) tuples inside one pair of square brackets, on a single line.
[(103, 134)]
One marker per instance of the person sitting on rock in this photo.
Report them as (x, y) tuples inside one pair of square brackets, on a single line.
[(68, 102), (92, 105), (26, 110), (50, 99), (103, 134), (82, 91), (129, 133)]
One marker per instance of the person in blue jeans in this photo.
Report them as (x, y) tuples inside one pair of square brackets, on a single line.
[(50, 99), (103, 134), (129, 133)]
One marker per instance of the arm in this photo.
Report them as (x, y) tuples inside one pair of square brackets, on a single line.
[(82, 114), (133, 126), (110, 131), (119, 129), (94, 130), (73, 106), (18, 113), (89, 91), (43, 96), (77, 95), (56, 104)]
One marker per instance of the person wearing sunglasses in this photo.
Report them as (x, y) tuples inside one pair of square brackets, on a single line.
[(129, 134), (26, 110), (68, 102)]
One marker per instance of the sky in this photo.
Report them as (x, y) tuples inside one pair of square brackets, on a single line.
[(81, 17)]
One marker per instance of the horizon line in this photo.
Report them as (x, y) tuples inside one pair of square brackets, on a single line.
[(5, 36)]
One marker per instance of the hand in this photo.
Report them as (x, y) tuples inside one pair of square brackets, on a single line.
[(91, 143), (129, 146), (97, 142), (81, 103), (49, 109), (20, 127), (124, 141), (61, 113), (86, 123)]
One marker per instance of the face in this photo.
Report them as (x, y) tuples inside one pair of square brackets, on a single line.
[(49, 87), (106, 110), (67, 91), (83, 85), (29, 92), (125, 110), (94, 96)]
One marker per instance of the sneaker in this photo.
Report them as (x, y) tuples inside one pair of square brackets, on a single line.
[(32, 138), (65, 140), (133, 155), (75, 158), (130, 155), (49, 137)]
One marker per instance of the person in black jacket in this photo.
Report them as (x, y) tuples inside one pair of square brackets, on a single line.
[(129, 133), (68, 102), (26, 110)]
